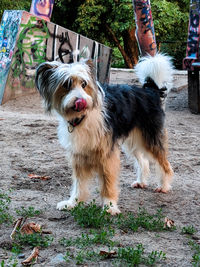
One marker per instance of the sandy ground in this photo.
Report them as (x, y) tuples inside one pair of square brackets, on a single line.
[(28, 144)]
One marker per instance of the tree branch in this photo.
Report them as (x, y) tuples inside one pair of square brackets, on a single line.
[(121, 49)]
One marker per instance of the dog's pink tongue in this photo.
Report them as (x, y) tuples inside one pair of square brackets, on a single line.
[(80, 104)]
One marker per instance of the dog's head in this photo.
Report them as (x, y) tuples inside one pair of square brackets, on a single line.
[(70, 89)]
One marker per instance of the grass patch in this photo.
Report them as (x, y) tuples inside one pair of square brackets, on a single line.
[(91, 216), (103, 230), (5, 200), (94, 237), (33, 240), (127, 256), (196, 256), (27, 212), (12, 262), (189, 230), (94, 216), (150, 222), (83, 256), (135, 256)]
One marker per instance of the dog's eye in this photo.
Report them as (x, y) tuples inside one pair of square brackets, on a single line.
[(67, 85), (84, 83)]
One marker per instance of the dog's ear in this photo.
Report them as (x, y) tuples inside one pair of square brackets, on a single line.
[(43, 81), (90, 64)]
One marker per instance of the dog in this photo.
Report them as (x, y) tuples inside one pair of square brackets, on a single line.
[(95, 120)]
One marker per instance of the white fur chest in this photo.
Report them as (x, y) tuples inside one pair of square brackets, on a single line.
[(85, 137)]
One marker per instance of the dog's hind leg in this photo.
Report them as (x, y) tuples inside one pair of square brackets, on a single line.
[(164, 172), (162, 166), (142, 167), (109, 172)]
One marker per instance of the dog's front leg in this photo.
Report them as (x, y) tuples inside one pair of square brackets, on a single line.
[(79, 192), (109, 173)]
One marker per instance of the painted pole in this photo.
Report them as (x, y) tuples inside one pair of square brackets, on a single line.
[(192, 60), (145, 33), (193, 42), (42, 8)]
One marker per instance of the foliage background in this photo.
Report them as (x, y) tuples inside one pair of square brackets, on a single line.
[(112, 22)]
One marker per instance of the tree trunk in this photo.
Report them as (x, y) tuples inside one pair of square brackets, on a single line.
[(130, 45), (120, 47), (130, 50)]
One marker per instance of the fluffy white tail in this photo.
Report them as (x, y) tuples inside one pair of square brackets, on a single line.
[(159, 68)]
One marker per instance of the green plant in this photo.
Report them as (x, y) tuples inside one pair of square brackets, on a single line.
[(94, 237), (5, 200), (67, 256), (91, 215), (16, 248), (33, 240), (27, 212), (117, 59), (103, 237), (155, 256), (12, 262), (83, 256), (150, 222), (126, 256), (196, 256), (132, 256), (135, 256), (189, 230), (80, 257)]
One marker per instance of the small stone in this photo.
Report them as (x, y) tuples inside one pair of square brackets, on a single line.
[(21, 256), (58, 259)]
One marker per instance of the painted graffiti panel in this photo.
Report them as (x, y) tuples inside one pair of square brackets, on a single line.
[(193, 42), (8, 33), (103, 63), (38, 41), (144, 27), (42, 8), (61, 44)]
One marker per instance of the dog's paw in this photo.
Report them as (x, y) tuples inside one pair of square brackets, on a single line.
[(161, 190), (65, 205), (138, 185), (113, 210), (111, 206)]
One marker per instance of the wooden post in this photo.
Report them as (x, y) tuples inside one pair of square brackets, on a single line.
[(192, 60), (194, 91), (145, 33)]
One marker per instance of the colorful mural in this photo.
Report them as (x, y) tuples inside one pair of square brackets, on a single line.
[(30, 50), (144, 27), (42, 8), (193, 42), (8, 33), (38, 41)]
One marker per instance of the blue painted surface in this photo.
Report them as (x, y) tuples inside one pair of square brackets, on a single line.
[(8, 33)]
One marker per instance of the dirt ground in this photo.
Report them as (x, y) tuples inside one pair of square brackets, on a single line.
[(28, 144)]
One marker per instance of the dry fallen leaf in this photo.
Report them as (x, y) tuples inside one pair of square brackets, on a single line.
[(107, 253), (32, 258), (168, 223), (35, 176), (30, 228)]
